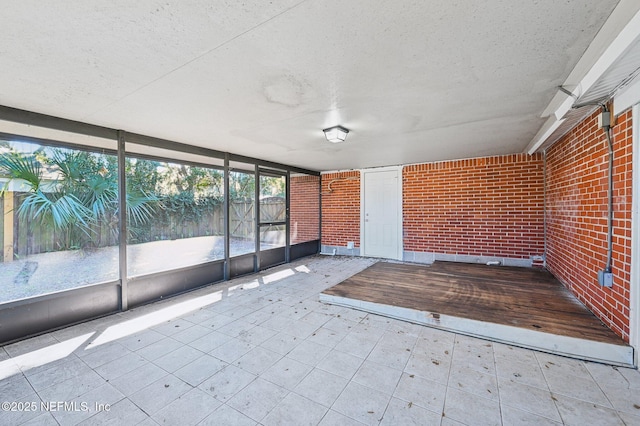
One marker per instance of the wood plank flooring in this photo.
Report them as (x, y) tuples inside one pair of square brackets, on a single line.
[(519, 297)]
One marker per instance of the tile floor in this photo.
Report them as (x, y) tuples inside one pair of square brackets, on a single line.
[(261, 350)]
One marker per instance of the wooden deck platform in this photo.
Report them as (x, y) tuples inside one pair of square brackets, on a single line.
[(519, 306)]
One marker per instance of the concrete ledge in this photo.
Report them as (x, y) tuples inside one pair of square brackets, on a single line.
[(426, 257), (572, 347), (340, 250)]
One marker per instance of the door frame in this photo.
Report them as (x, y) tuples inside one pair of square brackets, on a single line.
[(634, 296), (363, 172)]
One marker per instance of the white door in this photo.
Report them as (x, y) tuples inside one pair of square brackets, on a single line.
[(381, 214)]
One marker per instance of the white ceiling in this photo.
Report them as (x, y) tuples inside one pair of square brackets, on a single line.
[(415, 81)]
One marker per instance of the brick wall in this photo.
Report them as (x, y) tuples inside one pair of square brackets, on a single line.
[(577, 217), (304, 214), (341, 208), (491, 206)]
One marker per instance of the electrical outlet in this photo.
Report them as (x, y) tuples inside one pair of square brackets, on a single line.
[(350, 245), (604, 119), (605, 279)]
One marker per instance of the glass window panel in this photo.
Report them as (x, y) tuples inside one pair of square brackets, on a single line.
[(272, 199), (304, 211), (242, 212), (59, 219), (272, 236), (175, 215)]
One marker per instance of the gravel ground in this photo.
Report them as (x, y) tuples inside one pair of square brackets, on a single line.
[(49, 272)]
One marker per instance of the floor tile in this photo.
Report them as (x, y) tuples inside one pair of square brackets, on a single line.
[(190, 334), (15, 388), (199, 370), (340, 324), (390, 356), (236, 328), (227, 382), (579, 413), (379, 377), (295, 410), (121, 366), (121, 413), (527, 398), (178, 358), (422, 392), (281, 343), (341, 364), (436, 369), (210, 341), (361, 403), (17, 413), (287, 373), (306, 362), (107, 353), (513, 416), (159, 349), (333, 418), (257, 399), (585, 389), (257, 335), (44, 419), (72, 387), (140, 340), (159, 394), (629, 419), (321, 387), (326, 337), (59, 373), (138, 379), (527, 372), (316, 319), (476, 354), (558, 365), (405, 413), (356, 344), (309, 353), (169, 328), (188, 409), (471, 409), (97, 400), (625, 400), (225, 415), (473, 381), (30, 345), (232, 350), (257, 360)]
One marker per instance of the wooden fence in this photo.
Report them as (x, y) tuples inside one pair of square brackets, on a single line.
[(32, 237)]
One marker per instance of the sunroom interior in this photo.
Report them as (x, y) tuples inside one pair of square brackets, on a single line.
[(153, 149)]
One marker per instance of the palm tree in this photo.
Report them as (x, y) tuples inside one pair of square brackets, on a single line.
[(44, 201), (83, 192)]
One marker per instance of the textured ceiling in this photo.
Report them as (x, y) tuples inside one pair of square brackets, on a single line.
[(415, 81)]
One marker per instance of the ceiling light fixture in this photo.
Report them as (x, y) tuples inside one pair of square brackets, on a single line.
[(336, 134)]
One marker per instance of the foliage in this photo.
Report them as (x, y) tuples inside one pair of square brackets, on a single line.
[(63, 210), (76, 193)]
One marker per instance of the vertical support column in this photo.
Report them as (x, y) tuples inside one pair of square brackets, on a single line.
[(634, 291), (227, 225), (320, 213), (8, 226), (257, 218), (287, 204), (122, 220)]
